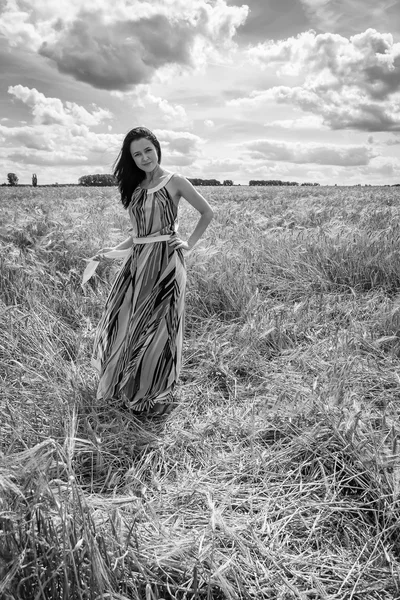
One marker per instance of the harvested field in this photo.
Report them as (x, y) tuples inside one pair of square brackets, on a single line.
[(277, 475)]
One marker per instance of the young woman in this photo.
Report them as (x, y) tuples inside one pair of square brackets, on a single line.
[(138, 343)]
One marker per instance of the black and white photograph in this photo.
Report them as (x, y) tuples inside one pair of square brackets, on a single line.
[(200, 300)]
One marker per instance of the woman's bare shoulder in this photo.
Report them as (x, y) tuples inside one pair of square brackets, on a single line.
[(179, 181), (174, 186), (176, 177)]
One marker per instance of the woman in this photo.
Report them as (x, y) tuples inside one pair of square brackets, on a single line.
[(138, 344)]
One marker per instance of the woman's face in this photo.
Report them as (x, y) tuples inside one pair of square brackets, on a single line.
[(144, 154)]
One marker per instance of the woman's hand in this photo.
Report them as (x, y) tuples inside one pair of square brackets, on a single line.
[(176, 242), (100, 253)]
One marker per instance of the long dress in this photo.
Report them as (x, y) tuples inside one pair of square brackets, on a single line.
[(138, 343)]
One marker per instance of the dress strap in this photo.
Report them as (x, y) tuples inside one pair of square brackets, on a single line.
[(169, 177), (160, 185)]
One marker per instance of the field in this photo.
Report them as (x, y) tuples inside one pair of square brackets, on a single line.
[(277, 476)]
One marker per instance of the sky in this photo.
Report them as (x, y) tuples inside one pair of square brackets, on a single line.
[(296, 90)]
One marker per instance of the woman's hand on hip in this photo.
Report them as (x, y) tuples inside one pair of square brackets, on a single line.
[(176, 242)]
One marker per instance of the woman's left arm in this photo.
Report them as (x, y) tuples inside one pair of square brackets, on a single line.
[(191, 195)]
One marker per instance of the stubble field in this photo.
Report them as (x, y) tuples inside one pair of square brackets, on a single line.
[(277, 476)]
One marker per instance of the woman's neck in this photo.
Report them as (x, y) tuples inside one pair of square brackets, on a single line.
[(154, 174)]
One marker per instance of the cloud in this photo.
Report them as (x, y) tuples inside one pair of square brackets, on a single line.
[(327, 154), (224, 165), (55, 158), (383, 165), (393, 141), (209, 123), (351, 83), (119, 55), (345, 109), (369, 61), (241, 169), (351, 16), (41, 144), (179, 148), (120, 48), (272, 19), (60, 133), (27, 137), (141, 97), (271, 159), (310, 122), (48, 111)]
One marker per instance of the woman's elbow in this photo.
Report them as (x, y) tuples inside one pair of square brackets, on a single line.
[(209, 214)]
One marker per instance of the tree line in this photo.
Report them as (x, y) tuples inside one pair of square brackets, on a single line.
[(197, 181), (107, 179), (276, 182), (101, 179)]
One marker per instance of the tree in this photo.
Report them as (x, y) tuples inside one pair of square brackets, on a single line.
[(207, 182), (34, 180), (271, 182), (12, 179), (228, 182), (99, 179)]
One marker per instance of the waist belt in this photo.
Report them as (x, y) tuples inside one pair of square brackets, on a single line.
[(150, 239), (92, 263), (137, 240)]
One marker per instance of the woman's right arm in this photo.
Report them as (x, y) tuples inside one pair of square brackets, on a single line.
[(122, 246), (125, 244)]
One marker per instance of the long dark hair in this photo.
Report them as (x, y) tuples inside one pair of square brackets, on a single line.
[(126, 172)]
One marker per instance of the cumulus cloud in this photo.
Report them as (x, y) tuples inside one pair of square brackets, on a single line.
[(48, 111), (209, 123), (384, 166), (40, 144), (179, 148), (224, 165), (239, 169), (170, 114), (309, 122), (351, 16), (350, 83), (25, 137), (369, 60), (295, 152), (393, 141), (55, 158), (119, 48), (60, 132)]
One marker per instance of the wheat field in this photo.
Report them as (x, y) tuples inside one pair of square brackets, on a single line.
[(277, 475)]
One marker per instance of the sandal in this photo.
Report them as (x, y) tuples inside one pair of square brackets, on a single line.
[(159, 409)]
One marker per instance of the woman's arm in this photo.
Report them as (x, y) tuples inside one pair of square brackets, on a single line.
[(122, 246), (125, 244), (186, 190)]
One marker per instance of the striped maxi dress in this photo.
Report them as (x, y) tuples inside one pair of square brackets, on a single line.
[(138, 343)]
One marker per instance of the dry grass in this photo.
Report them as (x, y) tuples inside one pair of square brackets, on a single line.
[(277, 476)]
